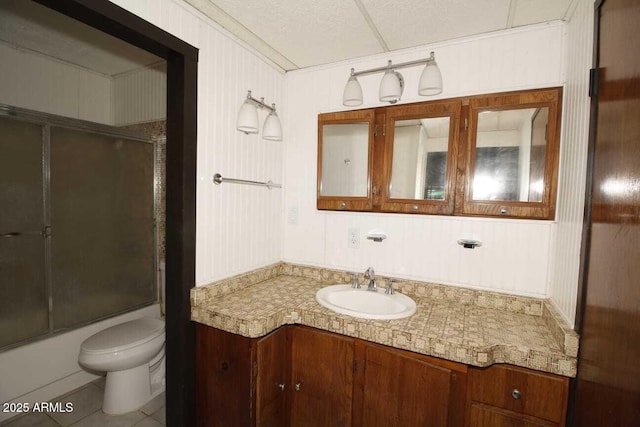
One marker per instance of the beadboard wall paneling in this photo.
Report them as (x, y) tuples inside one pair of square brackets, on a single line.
[(238, 227), (565, 260), (40, 83), (515, 254), (140, 96)]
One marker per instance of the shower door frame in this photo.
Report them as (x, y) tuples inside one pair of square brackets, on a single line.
[(48, 121), (182, 83)]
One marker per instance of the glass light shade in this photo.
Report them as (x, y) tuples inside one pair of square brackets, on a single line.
[(248, 118), (430, 80), (352, 95), (391, 87), (272, 129)]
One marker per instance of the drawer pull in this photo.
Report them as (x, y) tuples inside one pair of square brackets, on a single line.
[(297, 387), (281, 386), (516, 394)]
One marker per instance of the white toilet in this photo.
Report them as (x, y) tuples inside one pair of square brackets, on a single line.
[(132, 355)]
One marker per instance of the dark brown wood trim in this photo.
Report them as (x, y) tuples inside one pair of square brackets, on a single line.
[(182, 77), (585, 247)]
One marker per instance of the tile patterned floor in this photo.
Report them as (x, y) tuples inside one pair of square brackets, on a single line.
[(87, 412)]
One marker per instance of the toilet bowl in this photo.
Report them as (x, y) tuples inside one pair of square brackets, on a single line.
[(132, 355)]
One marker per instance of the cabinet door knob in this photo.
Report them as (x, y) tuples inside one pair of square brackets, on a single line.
[(281, 386), (297, 387), (516, 394)]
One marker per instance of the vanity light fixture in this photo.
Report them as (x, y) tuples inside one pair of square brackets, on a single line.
[(392, 84), (248, 119)]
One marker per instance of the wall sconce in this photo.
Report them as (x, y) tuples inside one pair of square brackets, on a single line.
[(392, 84), (248, 119)]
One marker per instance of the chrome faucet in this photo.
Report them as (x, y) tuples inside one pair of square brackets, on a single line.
[(389, 290), (355, 283), (371, 275)]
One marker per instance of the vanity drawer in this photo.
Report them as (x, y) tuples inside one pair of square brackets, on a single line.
[(520, 390)]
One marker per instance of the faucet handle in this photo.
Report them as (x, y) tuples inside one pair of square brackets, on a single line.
[(370, 273), (355, 282), (389, 290)]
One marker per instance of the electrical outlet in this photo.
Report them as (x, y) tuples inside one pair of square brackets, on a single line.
[(353, 238)]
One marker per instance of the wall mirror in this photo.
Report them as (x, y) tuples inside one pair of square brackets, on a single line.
[(513, 153), (420, 157), (510, 155), (345, 158), (345, 148), (485, 155), (419, 163)]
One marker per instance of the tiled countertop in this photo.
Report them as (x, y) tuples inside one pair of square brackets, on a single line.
[(473, 327)]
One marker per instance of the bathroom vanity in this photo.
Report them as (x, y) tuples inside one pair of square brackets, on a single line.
[(269, 355)]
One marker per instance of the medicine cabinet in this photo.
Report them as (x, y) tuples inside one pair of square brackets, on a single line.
[(512, 158), (488, 155), (345, 160)]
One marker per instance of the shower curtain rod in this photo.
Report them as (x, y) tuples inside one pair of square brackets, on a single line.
[(219, 179)]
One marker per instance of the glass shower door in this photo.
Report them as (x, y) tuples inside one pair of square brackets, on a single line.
[(24, 301), (102, 219)]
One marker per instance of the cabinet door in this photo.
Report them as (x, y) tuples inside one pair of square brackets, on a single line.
[(322, 376), (345, 160), (272, 383), (489, 416), (223, 378), (512, 154), (400, 389), (420, 157)]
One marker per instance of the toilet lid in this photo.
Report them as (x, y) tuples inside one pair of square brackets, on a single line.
[(124, 336)]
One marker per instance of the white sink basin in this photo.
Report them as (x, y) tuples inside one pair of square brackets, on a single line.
[(365, 304)]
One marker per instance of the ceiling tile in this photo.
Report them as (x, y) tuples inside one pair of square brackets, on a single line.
[(307, 32), (33, 27), (536, 11), (417, 22)]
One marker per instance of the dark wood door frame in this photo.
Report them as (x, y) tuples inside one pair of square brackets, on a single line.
[(182, 77)]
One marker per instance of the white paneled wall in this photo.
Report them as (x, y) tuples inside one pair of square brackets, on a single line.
[(140, 96), (239, 227), (514, 256), (39, 83), (565, 256)]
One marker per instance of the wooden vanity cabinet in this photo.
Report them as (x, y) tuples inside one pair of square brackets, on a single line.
[(294, 376), (504, 395), (300, 376), (400, 388)]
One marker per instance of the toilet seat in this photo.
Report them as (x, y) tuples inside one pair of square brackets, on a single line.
[(124, 336)]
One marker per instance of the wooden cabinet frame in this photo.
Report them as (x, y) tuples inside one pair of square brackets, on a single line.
[(347, 203), (434, 109), (461, 156), (545, 209)]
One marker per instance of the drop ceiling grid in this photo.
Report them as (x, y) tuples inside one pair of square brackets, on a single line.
[(307, 32), (418, 22)]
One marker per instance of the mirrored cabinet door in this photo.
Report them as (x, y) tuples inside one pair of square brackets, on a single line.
[(420, 157), (512, 154), (345, 156)]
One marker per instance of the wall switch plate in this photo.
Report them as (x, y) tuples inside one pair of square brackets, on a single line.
[(353, 238), (292, 215)]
